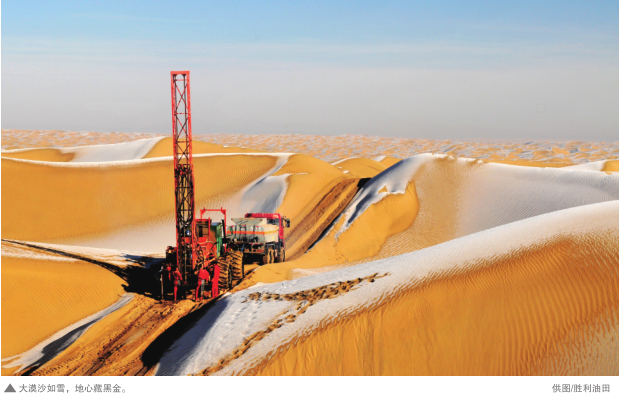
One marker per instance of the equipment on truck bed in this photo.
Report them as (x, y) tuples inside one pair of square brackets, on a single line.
[(259, 236)]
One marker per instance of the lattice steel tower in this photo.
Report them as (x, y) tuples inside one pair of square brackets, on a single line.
[(186, 240)]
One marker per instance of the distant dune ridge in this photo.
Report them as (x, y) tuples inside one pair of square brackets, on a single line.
[(405, 257), (334, 148)]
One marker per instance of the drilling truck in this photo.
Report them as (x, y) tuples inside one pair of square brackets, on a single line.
[(259, 237), (198, 241)]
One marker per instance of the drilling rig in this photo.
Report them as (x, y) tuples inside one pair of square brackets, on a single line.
[(197, 240)]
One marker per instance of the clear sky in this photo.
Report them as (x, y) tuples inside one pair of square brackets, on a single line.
[(424, 69)]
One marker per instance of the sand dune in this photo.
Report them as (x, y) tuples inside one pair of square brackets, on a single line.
[(154, 147), (611, 165), (434, 264), (42, 296), (18, 139), (164, 148), (481, 304), (128, 205), (360, 167), (40, 154), (92, 153), (333, 148), (460, 197), (122, 205), (445, 198), (387, 160)]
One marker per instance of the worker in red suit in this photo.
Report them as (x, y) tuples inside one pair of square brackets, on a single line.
[(177, 277), (167, 278), (203, 278), (214, 270)]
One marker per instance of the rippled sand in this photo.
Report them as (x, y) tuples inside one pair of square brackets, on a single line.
[(43, 294), (405, 257)]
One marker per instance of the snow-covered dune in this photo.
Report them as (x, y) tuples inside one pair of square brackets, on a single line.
[(431, 265), (113, 152), (154, 147), (131, 150), (125, 205), (486, 303), (129, 204), (457, 197)]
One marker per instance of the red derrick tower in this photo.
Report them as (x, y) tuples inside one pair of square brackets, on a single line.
[(186, 240)]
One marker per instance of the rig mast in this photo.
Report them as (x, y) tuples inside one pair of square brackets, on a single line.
[(186, 240)]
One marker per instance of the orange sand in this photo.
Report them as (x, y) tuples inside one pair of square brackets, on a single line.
[(361, 167), (611, 165), (390, 216), (388, 161), (439, 184), (164, 148), (309, 180), (332, 148), (524, 162), (506, 319), (42, 154), (79, 201), (41, 297)]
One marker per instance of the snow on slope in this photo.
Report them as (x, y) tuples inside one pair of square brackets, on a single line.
[(237, 317), (392, 181), (459, 196), (264, 194), (62, 252), (129, 204), (103, 152), (497, 194), (113, 152)]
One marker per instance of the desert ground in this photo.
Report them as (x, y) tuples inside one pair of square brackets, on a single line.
[(404, 257)]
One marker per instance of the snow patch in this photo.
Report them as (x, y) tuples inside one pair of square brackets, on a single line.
[(266, 194), (341, 160), (379, 158), (113, 152), (392, 181), (33, 255)]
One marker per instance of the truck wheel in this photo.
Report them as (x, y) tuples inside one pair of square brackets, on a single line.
[(278, 257), (236, 266), (266, 258), (224, 273)]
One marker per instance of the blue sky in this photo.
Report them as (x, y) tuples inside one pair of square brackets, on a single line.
[(436, 69)]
